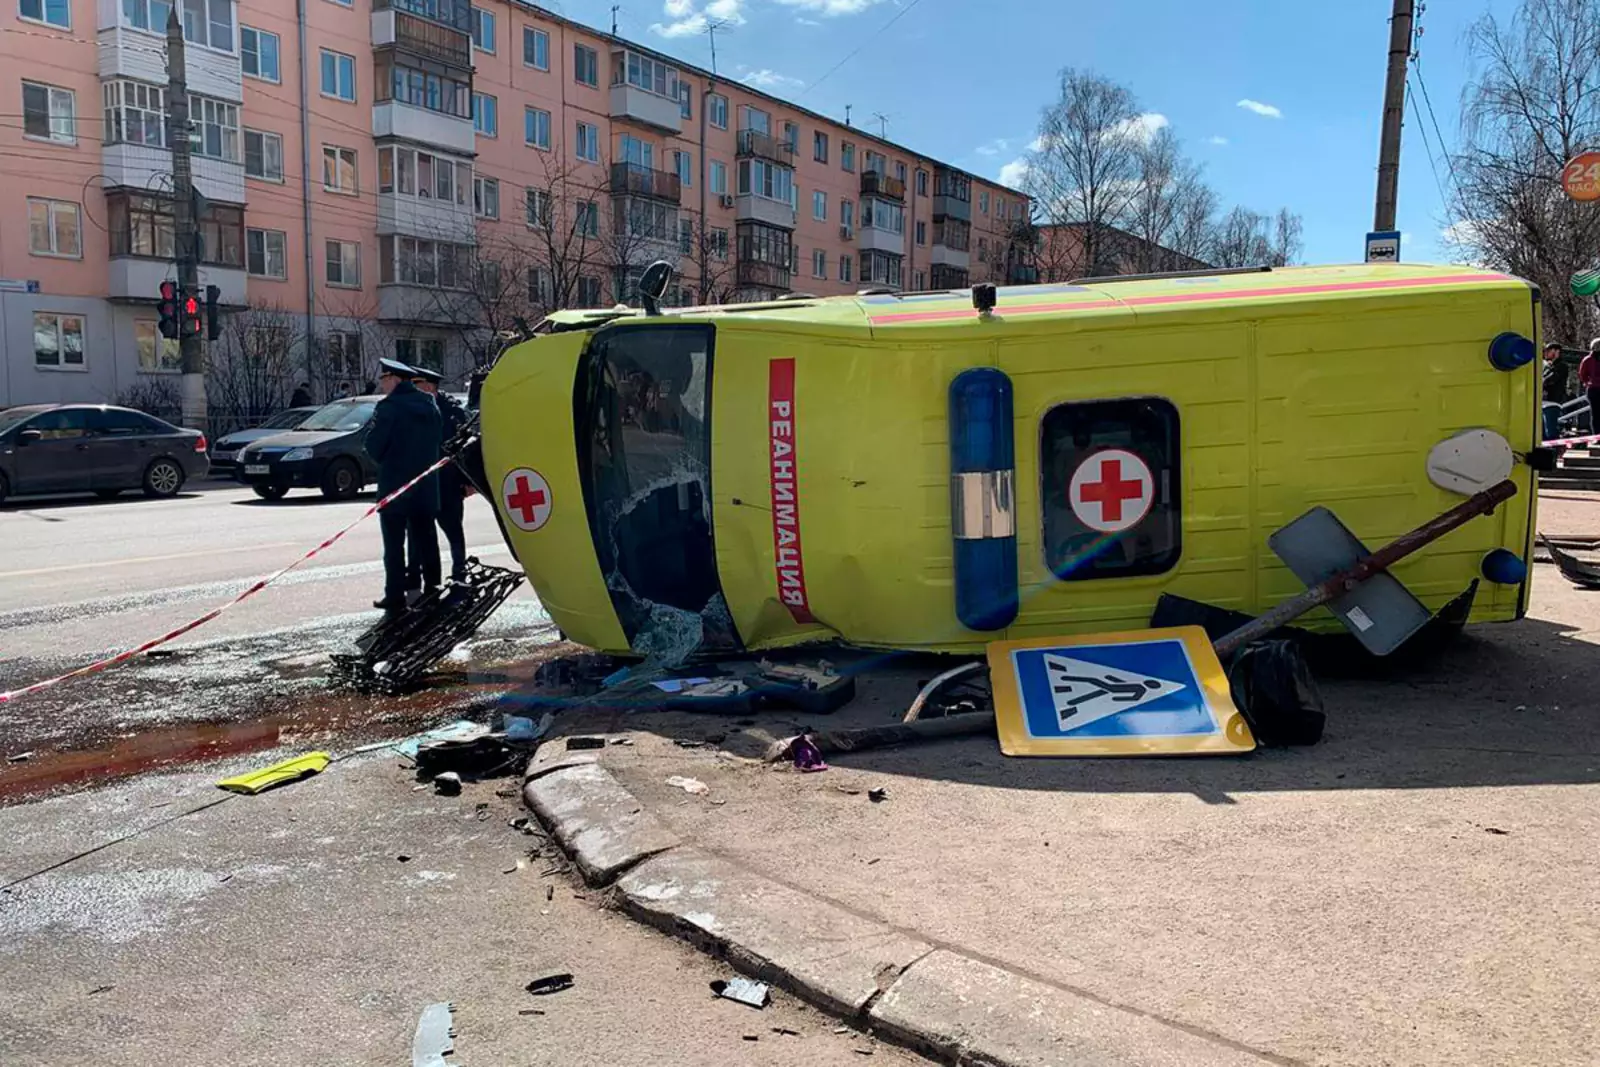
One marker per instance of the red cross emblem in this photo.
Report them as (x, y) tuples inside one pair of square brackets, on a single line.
[(1112, 490), (527, 499)]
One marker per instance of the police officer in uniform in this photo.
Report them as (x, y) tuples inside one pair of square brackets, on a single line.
[(404, 440), (452, 484)]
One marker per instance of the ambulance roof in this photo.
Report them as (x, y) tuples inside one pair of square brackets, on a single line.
[(1086, 296)]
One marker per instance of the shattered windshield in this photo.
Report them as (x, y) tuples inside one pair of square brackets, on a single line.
[(643, 404), (340, 415)]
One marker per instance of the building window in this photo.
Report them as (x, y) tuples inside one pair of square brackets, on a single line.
[(719, 243), (587, 223), (536, 128), (538, 207), (535, 48), (757, 177), (684, 162), (541, 290), (206, 22), (685, 99), (922, 232), (819, 263), (1120, 460), (639, 153), (921, 283), (585, 65), (791, 136), (642, 72), (266, 253), (157, 354), (419, 351), (343, 264), (343, 348), (486, 198), (882, 215), (258, 53), (819, 146), (647, 218), (588, 291), (486, 114), (214, 128), (49, 12), (54, 228), (717, 111), (135, 113), (819, 206), (143, 226), (1000, 207), (49, 114), (922, 183), (57, 341), (685, 236), (846, 265), (338, 75), (847, 156), (263, 155), (589, 142), (339, 170), (847, 214), (408, 172), (719, 177), (983, 201), (483, 30), (900, 172), (880, 268), (983, 250)]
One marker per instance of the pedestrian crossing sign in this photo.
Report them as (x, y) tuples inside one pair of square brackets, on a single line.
[(1137, 693)]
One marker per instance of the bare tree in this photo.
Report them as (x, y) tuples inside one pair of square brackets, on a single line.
[(564, 214), (157, 395), (1191, 233), (708, 265), (251, 368), (1245, 238), (1532, 103)]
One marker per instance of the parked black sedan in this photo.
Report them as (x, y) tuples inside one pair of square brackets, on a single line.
[(81, 448), (327, 452), (227, 447)]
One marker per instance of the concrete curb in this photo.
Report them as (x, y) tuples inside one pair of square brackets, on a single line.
[(941, 1003)]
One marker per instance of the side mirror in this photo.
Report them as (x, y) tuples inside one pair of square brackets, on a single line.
[(653, 285), (28, 437)]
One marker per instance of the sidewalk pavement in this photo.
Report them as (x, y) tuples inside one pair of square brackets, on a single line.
[(1419, 888)]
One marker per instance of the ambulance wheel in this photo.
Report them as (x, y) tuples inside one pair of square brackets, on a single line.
[(270, 492), (342, 480), (163, 478)]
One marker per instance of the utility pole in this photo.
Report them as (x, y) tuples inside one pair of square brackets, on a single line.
[(614, 9), (186, 241), (1394, 104)]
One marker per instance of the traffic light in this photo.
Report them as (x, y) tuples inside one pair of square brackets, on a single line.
[(213, 327), (168, 309), (190, 325)]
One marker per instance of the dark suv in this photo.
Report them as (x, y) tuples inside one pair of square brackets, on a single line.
[(81, 448)]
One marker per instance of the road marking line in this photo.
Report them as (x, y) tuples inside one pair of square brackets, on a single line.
[(143, 559)]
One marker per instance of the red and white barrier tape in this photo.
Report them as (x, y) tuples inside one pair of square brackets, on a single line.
[(123, 657), (1569, 442)]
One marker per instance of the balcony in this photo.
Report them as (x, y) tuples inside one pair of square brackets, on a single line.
[(755, 275), (941, 255), (135, 278), (1020, 274), (634, 179), (425, 126), (872, 239), (944, 277), (421, 37), (760, 209), (453, 14), (402, 302), (754, 143), (433, 219), (874, 183), (130, 53), (634, 104), (141, 167)]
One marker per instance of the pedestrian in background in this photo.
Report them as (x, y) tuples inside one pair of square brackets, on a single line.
[(1589, 382), (452, 484), (1554, 391), (302, 396), (404, 440)]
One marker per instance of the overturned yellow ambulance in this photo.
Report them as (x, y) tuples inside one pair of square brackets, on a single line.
[(923, 471)]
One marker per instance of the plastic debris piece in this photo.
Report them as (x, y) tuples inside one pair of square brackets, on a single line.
[(435, 1037), (530, 1011), (447, 784), (689, 785), (289, 770), (678, 685), (622, 740), (755, 994), (785, 1031), (460, 730), (550, 983), (575, 743), (878, 795), (520, 729), (20, 757), (807, 757)]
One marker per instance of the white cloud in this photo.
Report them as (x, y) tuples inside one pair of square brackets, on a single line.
[(770, 79), (832, 7), (1217, 140), (1264, 110), (807, 22), (1014, 173), (687, 21), (1143, 127), (994, 147)]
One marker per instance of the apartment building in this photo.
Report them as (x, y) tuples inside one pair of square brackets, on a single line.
[(406, 176)]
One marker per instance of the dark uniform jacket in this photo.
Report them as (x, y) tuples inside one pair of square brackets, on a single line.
[(404, 440), (452, 416)]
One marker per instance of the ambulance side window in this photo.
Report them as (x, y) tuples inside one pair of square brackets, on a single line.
[(1110, 490)]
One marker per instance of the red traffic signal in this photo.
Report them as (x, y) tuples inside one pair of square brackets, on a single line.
[(168, 309), (191, 324)]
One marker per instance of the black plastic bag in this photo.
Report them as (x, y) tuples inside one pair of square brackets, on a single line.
[(1275, 691)]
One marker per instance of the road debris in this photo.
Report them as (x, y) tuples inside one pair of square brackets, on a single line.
[(878, 795), (522, 730), (281, 773), (1496, 830), (832, 742), (743, 990), (1579, 573), (786, 1032), (20, 757), (447, 784), (807, 759), (403, 858), (435, 1037), (460, 730), (752, 1037), (101, 989), (689, 785), (575, 744), (550, 983), (530, 1011), (549, 892)]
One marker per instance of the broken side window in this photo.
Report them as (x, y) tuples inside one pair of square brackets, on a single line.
[(1110, 490)]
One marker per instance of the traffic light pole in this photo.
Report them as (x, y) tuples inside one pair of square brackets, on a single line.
[(1394, 106), (185, 233)]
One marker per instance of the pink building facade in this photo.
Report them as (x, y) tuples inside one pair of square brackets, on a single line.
[(405, 177)]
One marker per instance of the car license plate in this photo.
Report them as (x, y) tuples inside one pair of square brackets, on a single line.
[(257, 468)]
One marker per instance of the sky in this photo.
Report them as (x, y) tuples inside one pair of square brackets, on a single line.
[(1280, 100)]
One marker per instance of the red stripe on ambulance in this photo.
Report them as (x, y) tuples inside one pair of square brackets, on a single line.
[(787, 559)]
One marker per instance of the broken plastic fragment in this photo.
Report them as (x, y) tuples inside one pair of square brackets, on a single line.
[(435, 1036), (743, 990), (689, 785)]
